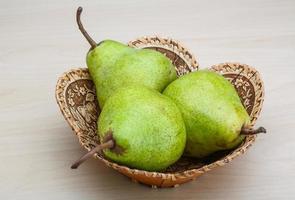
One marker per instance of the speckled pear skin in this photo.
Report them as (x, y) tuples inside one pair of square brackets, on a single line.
[(113, 65), (147, 127), (212, 111)]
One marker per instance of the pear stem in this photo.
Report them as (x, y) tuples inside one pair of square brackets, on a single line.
[(249, 131), (107, 145), (82, 29)]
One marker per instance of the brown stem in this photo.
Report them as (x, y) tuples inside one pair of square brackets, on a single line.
[(82, 29), (107, 145), (249, 131)]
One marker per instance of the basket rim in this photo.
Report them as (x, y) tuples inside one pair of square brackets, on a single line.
[(169, 44)]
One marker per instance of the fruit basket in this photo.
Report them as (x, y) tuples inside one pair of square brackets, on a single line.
[(75, 95)]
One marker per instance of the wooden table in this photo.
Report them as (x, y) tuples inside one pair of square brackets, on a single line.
[(39, 41)]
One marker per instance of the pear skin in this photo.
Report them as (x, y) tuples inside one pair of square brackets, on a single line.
[(146, 126), (212, 111)]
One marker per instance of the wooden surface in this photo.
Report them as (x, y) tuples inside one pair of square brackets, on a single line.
[(39, 41)]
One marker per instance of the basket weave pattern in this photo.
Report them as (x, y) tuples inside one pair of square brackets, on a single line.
[(75, 94)]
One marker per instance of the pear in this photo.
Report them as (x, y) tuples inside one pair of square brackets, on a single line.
[(213, 113), (140, 128), (112, 65)]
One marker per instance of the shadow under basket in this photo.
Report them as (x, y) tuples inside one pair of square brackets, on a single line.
[(76, 97)]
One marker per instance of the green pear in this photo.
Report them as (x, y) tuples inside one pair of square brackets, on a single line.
[(140, 128), (213, 113), (112, 65)]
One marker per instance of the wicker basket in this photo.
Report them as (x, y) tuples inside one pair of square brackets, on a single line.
[(75, 95)]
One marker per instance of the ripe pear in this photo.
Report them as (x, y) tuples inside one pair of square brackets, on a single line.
[(214, 116), (112, 65), (140, 128)]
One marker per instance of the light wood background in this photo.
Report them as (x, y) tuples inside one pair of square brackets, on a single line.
[(39, 40)]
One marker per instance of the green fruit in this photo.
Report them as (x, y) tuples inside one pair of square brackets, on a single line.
[(148, 128), (112, 65), (212, 111), (143, 128)]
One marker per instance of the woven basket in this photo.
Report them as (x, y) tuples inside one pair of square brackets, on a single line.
[(75, 95)]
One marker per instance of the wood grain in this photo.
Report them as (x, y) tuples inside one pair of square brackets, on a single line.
[(39, 41)]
